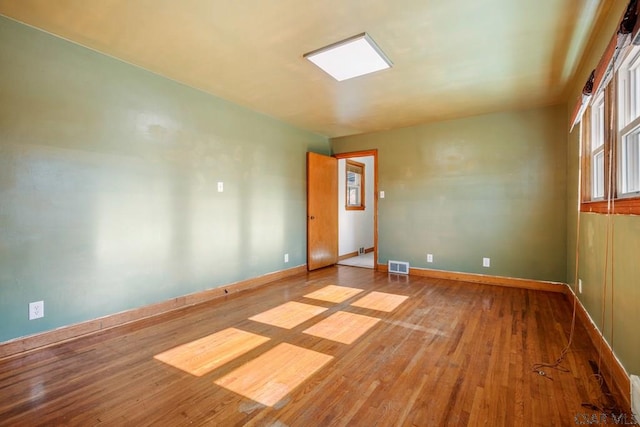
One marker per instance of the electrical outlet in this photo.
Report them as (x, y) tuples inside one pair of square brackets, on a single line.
[(220, 186), (580, 285), (486, 262), (36, 310), (429, 257), (286, 257)]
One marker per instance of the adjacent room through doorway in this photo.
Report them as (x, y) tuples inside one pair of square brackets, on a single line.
[(356, 207)]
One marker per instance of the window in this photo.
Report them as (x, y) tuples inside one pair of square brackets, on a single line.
[(597, 148), (630, 163), (596, 140), (629, 125), (354, 185), (611, 141)]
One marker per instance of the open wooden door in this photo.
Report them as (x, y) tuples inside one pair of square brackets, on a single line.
[(322, 211)]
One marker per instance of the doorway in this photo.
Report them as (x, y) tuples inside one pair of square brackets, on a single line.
[(358, 208)]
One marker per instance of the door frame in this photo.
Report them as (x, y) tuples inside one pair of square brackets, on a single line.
[(367, 153)]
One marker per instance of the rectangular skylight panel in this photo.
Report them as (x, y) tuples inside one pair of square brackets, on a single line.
[(352, 58)]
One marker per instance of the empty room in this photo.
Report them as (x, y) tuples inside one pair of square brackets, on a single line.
[(336, 213)]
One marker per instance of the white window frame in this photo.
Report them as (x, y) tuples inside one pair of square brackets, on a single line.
[(629, 125), (597, 145)]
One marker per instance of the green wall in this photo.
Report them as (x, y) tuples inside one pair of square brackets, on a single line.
[(108, 186), (612, 299), (611, 282), (485, 186)]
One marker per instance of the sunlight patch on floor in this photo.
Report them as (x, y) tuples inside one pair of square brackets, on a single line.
[(342, 327), (271, 376), (288, 315), (202, 356), (380, 301), (333, 293)]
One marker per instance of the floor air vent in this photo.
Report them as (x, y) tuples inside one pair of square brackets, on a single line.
[(635, 396), (398, 267)]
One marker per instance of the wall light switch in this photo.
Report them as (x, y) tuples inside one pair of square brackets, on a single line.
[(382, 194), (220, 186)]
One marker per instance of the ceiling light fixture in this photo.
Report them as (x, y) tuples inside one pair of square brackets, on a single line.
[(353, 57)]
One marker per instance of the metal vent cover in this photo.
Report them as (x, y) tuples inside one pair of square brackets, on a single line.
[(398, 267)]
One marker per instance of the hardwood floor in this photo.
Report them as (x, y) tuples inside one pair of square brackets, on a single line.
[(450, 353)]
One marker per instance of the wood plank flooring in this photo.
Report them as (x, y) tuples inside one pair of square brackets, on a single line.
[(436, 353)]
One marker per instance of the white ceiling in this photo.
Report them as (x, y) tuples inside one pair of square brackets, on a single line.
[(451, 58)]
